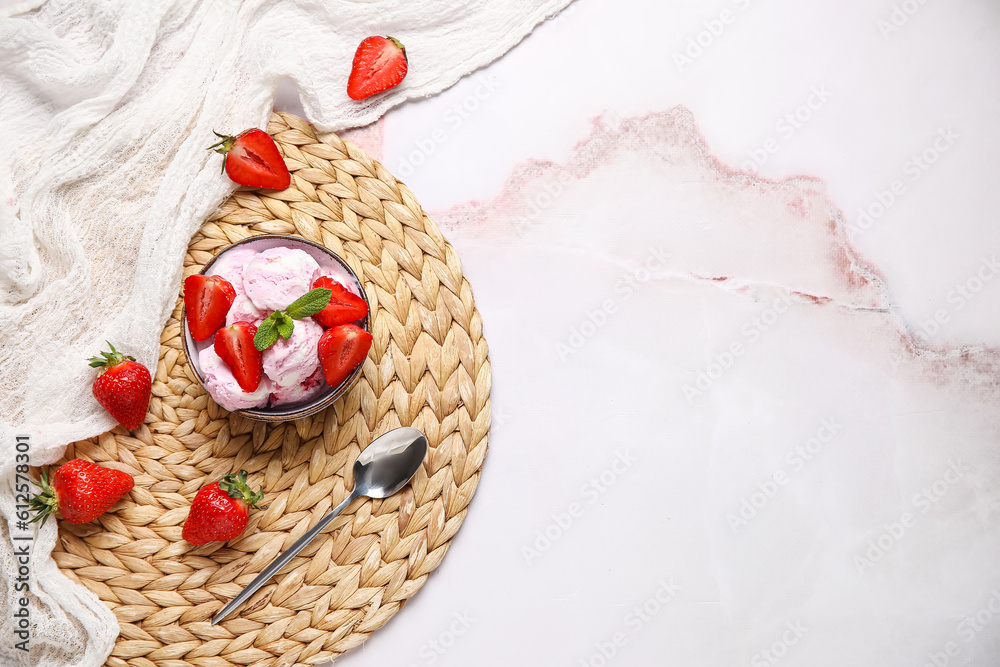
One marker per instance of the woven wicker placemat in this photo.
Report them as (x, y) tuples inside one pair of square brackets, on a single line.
[(428, 367)]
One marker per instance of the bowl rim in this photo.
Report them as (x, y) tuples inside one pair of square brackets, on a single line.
[(323, 401)]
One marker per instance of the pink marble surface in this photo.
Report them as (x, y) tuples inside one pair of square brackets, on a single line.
[(751, 417)]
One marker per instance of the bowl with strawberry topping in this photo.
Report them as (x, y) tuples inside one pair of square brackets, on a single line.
[(276, 327)]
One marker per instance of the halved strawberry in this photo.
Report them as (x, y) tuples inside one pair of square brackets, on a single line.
[(234, 344), (252, 158), (207, 299), (342, 349), (345, 306), (379, 64)]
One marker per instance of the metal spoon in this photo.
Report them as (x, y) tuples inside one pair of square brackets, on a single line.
[(382, 469)]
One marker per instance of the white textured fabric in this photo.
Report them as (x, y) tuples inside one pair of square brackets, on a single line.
[(107, 107)]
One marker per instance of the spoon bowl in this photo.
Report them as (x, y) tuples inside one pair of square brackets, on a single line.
[(386, 465), (382, 469)]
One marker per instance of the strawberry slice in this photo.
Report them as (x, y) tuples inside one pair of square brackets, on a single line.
[(234, 345), (342, 349), (379, 64), (207, 299), (252, 158), (345, 306)]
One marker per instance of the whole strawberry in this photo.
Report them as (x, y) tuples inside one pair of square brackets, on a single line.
[(80, 490), (221, 510), (124, 388)]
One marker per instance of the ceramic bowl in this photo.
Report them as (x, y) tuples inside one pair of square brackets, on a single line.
[(329, 261)]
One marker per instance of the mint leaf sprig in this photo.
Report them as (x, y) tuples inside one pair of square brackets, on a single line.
[(281, 322)]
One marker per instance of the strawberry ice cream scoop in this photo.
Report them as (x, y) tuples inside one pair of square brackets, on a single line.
[(278, 276), (243, 310), (224, 388), (306, 390), (291, 361), (230, 266)]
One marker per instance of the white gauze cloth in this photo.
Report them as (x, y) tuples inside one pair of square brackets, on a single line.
[(107, 107)]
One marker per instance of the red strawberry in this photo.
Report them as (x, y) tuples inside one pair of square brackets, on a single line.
[(221, 510), (342, 349), (207, 300), (234, 344), (82, 490), (123, 388), (251, 158), (379, 64), (345, 306)]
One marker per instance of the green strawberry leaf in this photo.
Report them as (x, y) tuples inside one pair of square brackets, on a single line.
[(309, 303), (285, 326), (109, 359), (267, 334)]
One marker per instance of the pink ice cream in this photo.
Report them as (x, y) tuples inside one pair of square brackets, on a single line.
[(243, 310), (289, 362), (223, 386), (278, 276), (310, 388), (230, 266)]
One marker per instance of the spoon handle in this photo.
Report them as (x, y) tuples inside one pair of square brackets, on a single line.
[(283, 558)]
